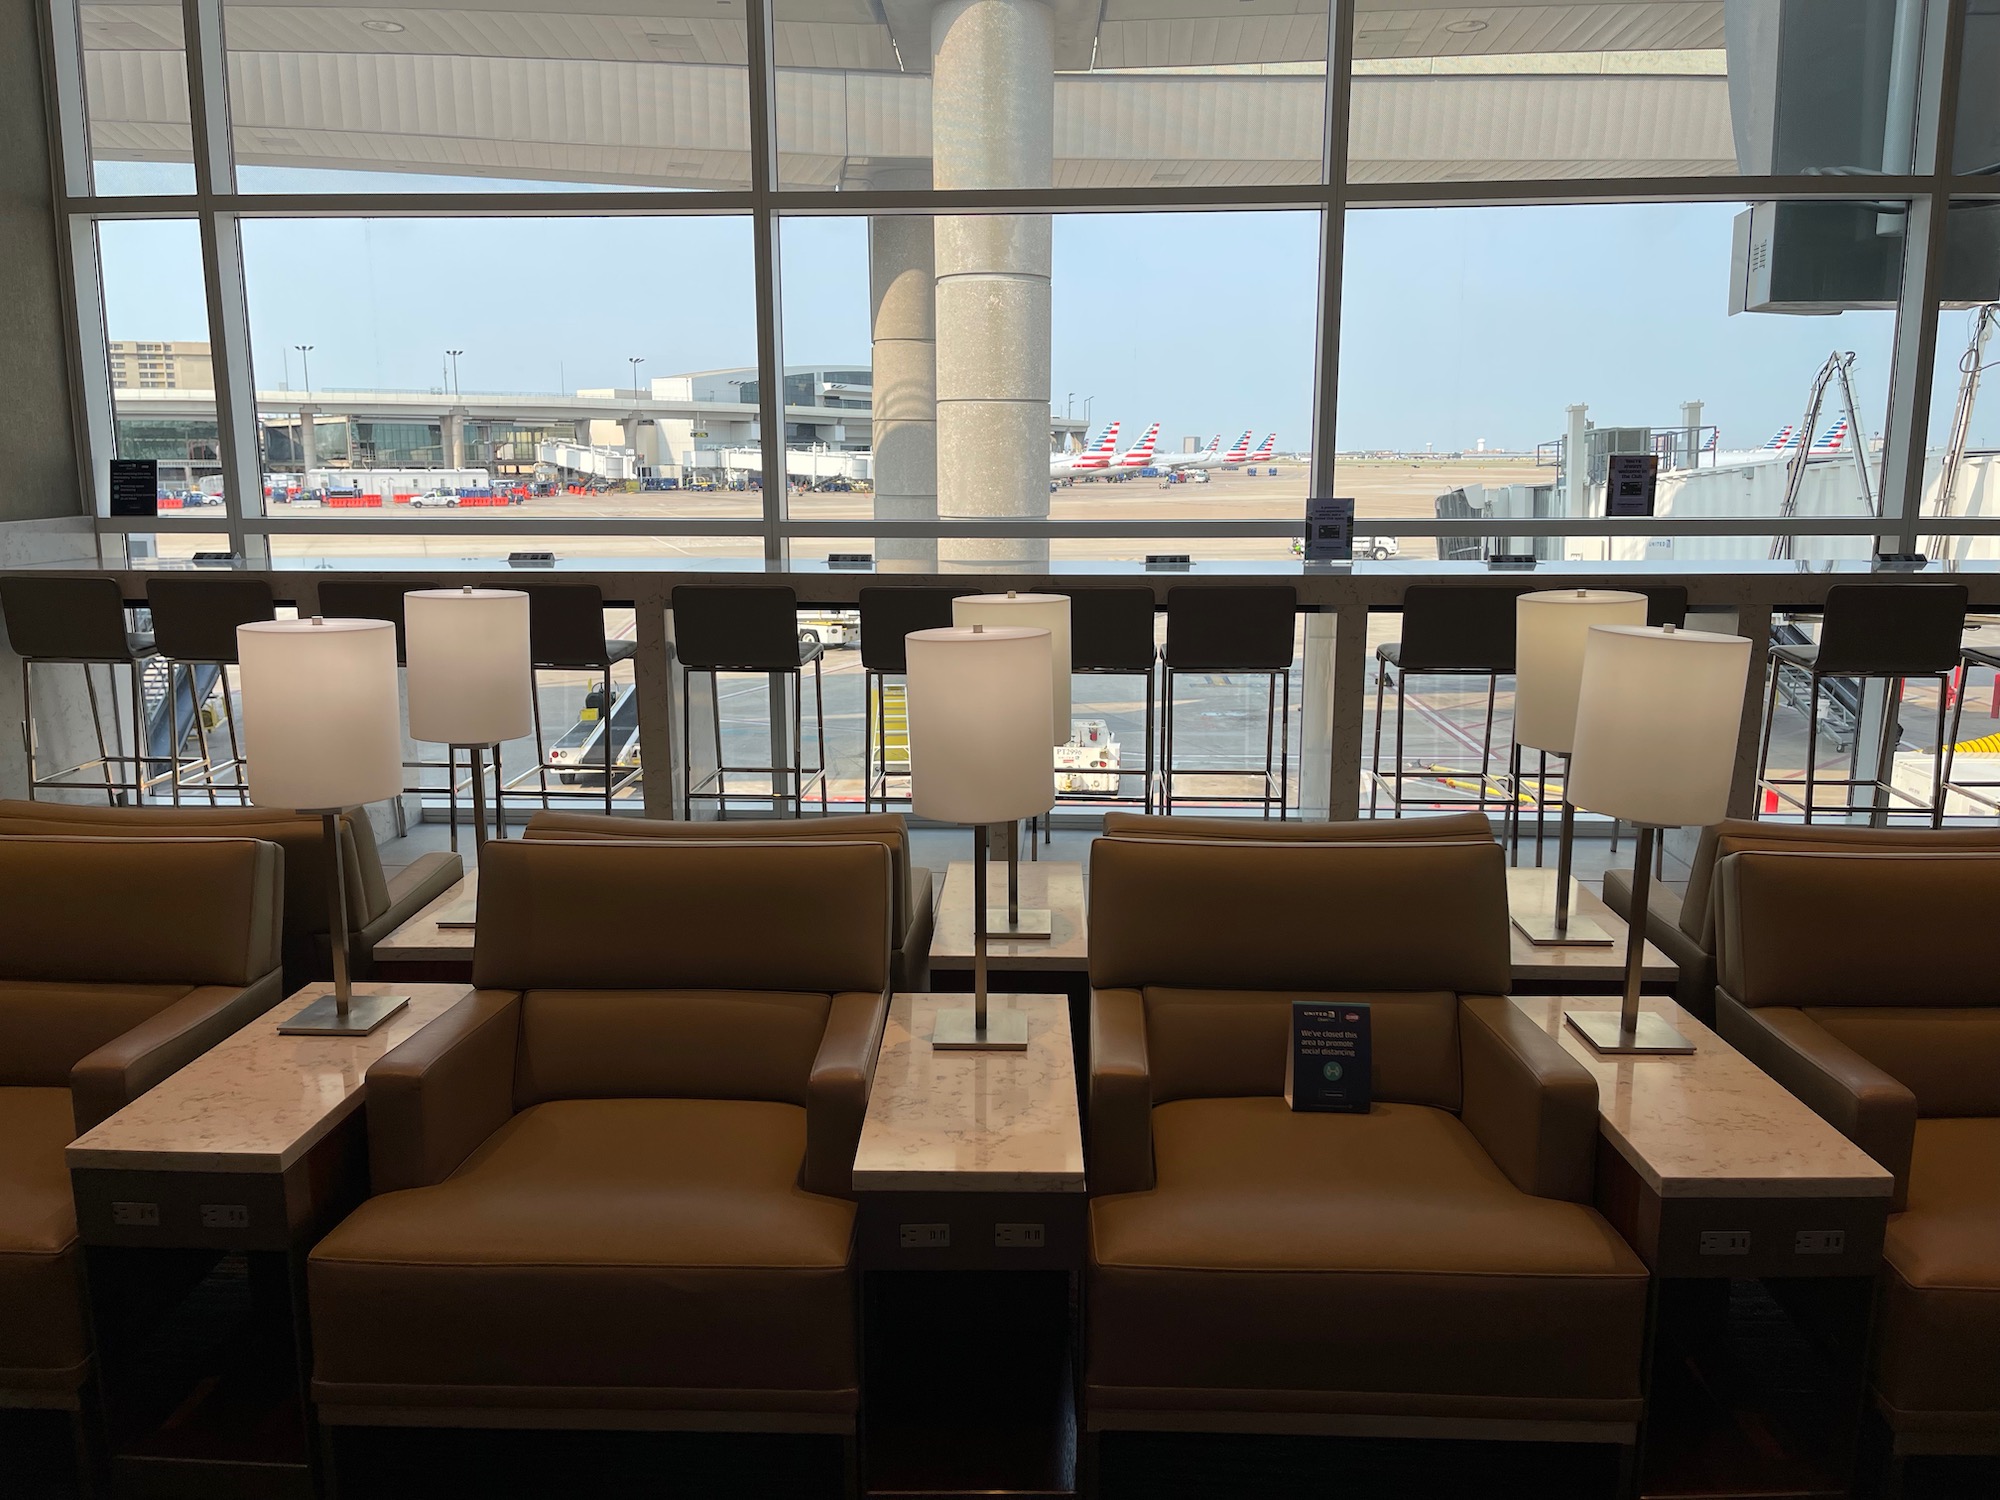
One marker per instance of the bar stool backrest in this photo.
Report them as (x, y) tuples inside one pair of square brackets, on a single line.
[(371, 601), (65, 619), (1458, 628), (1891, 629), (1666, 604), (1111, 630), (753, 628), (566, 626), (1236, 628), (195, 619), (889, 614)]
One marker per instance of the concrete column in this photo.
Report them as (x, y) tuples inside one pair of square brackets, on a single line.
[(454, 438), (308, 445), (993, 126), (902, 302)]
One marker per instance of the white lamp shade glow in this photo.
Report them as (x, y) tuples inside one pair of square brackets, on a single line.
[(1048, 612), (979, 724), (321, 724), (468, 665), (1549, 633), (1657, 724)]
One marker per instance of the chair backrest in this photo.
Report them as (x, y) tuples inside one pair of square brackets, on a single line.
[(1446, 827), (1232, 628), (890, 614), (195, 619), (101, 934), (675, 969), (566, 625), (345, 600), (1220, 937), (1450, 627), (1889, 952), (1666, 604), (888, 829), (1891, 628), (1112, 629), (65, 619), (754, 628)]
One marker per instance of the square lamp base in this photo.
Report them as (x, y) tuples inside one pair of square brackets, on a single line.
[(1028, 924), (1006, 1031), (461, 916), (1579, 932), (1652, 1036), (323, 1018)]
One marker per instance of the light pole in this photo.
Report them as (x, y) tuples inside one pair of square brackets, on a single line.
[(305, 365), (636, 361), (453, 355), (1086, 411)]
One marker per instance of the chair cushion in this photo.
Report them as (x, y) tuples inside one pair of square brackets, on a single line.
[(47, 1029), (1375, 1263), (41, 1309), (1939, 1353), (634, 1252)]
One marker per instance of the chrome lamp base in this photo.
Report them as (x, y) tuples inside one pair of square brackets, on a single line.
[(959, 1030), (1026, 925), (1650, 1035), (325, 1016), (1540, 929)]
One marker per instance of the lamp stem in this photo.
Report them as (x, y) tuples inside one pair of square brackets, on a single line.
[(979, 929), (1013, 874), (336, 909), (1564, 843), (477, 753), (1635, 930)]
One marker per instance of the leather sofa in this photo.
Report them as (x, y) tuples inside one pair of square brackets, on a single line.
[(915, 899), (376, 904), (1864, 983), (1433, 1267), (121, 960), (611, 1184), (1683, 926)]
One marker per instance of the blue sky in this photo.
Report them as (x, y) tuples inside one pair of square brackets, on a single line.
[(1458, 324)]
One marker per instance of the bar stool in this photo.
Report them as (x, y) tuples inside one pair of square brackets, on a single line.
[(887, 616), (342, 600), (1246, 630), (566, 634), (80, 622), (754, 628), (1976, 791), (1449, 630), (1891, 631), (1111, 635), (194, 623)]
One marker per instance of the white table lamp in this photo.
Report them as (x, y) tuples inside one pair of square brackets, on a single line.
[(1550, 629), (322, 731), (469, 675), (1656, 728), (980, 715), (1048, 612)]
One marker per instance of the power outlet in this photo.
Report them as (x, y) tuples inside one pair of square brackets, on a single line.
[(136, 1215), (1018, 1236), (1820, 1242), (926, 1236), (1725, 1242), (225, 1216)]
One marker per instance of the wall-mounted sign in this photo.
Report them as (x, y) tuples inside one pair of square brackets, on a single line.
[(135, 487), (1330, 530), (1632, 483)]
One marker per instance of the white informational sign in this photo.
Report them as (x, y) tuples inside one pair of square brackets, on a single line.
[(1330, 530), (1631, 484)]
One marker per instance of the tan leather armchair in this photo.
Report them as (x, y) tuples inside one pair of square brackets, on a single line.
[(612, 1183), (376, 904), (1683, 926), (1433, 1266), (915, 899), (1864, 983), (121, 960)]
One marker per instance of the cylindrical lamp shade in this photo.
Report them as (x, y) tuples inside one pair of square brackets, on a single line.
[(469, 673), (1048, 612), (321, 725), (1549, 631), (1657, 724), (979, 724)]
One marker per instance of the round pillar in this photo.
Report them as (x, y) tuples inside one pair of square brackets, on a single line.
[(902, 303)]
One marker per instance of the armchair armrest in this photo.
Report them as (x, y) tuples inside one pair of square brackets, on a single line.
[(1121, 1094), (122, 1069), (1838, 1084), (435, 1097), (843, 1072), (1530, 1104)]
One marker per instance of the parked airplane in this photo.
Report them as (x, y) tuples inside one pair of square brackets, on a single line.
[(1834, 439), (1263, 454), (1140, 456), (1210, 457), (1090, 460)]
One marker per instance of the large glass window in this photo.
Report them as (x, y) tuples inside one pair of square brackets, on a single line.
[(136, 91)]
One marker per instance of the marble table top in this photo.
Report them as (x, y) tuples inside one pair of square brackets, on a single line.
[(1057, 886), (972, 1121), (421, 939), (1533, 893), (1710, 1124), (257, 1101)]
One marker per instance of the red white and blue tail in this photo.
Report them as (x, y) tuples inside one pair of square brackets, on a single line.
[(1834, 440), (1270, 447), (1140, 456), (1787, 437)]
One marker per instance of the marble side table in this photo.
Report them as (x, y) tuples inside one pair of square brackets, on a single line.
[(1573, 971), (425, 948)]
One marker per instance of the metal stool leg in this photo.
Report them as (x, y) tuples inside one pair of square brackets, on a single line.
[(174, 731), (1167, 748), (1770, 718), (819, 722), (1375, 758), (798, 768), (1284, 744), (1270, 728), (97, 723), (867, 741), (1396, 796), (235, 746), (499, 795), (610, 748), (1812, 743), (1486, 745), (541, 748), (1151, 686), (139, 762), (28, 724), (1937, 762), (721, 781), (1511, 824), (1949, 748), (451, 793), (1542, 803), (687, 747)]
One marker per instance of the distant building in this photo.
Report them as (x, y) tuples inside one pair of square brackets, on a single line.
[(161, 365)]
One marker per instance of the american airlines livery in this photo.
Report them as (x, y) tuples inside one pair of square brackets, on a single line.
[(1090, 460), (1139, 456), (1263, 454)]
